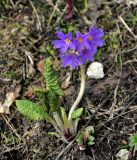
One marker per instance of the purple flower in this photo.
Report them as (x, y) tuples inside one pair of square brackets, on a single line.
[(71, 60), (81, 42), (64, 43), (94, 37), (86, 55), (74, 53)]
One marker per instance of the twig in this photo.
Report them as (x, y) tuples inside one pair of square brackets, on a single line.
[(8, 151), (52, 153), (50, 2), (65, 149), (93, 154), (130, 61), (125, 107), (115, 100), (126, 26), (7, 51), (108, 112), (34, 9), (130, 50), (98, 108), (120, 115), (11, 149), (13, 5), (115, 93), (29, 55), (60, 17), (52, 14), (5, 80), (12, 128)]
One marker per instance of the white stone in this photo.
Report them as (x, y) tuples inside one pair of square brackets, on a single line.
[(95, 70), (122, 154)]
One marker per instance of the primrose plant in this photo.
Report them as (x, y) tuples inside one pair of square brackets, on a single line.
[(74, 53)]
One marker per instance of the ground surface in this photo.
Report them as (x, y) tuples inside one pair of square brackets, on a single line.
[(26, 31)]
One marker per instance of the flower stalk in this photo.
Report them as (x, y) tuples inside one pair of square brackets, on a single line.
[(81, 92)]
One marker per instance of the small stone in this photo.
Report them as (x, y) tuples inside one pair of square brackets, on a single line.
[(95, 70), (122, 154)]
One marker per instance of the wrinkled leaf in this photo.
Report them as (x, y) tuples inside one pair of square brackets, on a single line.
[(41, 94), (87, 133), (32, 111), (89, 129), (79, 139), (51, 78), (91, 140), (77, 113), (53, 101)]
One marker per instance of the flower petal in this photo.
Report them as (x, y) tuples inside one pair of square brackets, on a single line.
[(66, 60), (64, 48), (98, 33), (78, 34), (61, 55), (72, 46), (98, 42), (60, 35), (87, 45), (70, 60), (69, 35), (57, 43), (86, 55)]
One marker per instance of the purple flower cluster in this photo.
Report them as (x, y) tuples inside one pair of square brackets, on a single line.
[(77, 51)]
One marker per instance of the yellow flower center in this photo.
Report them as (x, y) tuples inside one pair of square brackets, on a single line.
[(67, 41), (80, 40), (90, 38)]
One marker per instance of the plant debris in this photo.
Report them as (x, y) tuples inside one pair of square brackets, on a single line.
[(10, 98)]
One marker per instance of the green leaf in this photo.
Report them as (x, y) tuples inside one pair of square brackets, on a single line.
[(64, 117), (53, 101), (76, 124), (133, 140), (91, 140), (51, 78), (77, 113), (89, 129), (32, 111), (54, 134), (41, 94), (80, 139)]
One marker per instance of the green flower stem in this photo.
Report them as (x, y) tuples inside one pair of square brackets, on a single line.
[(58, 120), (59, 131), (81, 92), (55, 126)]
